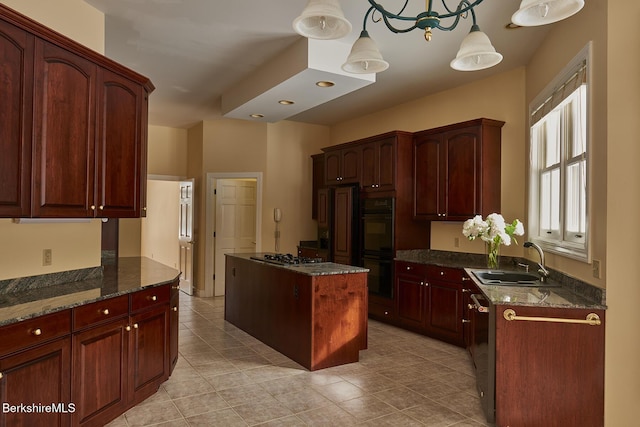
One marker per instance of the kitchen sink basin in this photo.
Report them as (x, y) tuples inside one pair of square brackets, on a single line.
[(509, 278)]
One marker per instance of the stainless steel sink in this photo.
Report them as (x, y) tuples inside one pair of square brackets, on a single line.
[(509, 278)]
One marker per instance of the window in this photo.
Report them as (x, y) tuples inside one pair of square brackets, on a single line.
[(558, 181)]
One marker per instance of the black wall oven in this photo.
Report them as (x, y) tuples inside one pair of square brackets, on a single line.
[(377, 244)]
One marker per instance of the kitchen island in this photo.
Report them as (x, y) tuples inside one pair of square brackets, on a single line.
[(315, 314)]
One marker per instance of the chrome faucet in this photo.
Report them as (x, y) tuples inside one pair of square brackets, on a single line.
[(544, 273)]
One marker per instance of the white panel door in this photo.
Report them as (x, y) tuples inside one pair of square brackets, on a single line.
[(185, 236), (235, 230)]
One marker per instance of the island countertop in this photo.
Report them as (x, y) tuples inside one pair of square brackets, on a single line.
[(28, 297), (311, 269)]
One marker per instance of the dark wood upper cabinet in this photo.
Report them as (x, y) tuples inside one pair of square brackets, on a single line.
[(379, 165), (120, 146), (73, 129), (456, 170), (342, 166), (64, 133), (16, 92)]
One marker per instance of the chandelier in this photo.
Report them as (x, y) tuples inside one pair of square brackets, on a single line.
[(324, 19)]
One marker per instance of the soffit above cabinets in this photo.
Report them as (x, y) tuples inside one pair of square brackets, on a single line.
[(293, 76)]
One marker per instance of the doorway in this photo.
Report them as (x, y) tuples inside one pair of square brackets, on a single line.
[(233, 222)]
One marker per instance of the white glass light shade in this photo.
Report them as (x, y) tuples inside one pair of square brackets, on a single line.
[(476, 52), (322, 19), (541, 12), (365, 57)]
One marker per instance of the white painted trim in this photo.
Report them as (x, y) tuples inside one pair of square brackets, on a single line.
[(166, 178), (209, 246)]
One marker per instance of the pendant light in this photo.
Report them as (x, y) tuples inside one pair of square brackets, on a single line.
[(541, 12), (365, 57), (322, 19), (476, 52)]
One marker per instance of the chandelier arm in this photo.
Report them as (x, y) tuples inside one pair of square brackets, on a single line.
[(397, 30), (459, 10), (388, 14), (457, 20)]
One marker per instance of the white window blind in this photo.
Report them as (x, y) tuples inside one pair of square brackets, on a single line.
[(558, 184)]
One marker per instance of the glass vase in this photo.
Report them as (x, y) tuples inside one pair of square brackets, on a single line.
[(493, 255)]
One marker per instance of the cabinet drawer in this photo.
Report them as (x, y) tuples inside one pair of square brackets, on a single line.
[(412, 268), (28, 333), (381, 311), (100, 311), (447, 274), (150, 297)]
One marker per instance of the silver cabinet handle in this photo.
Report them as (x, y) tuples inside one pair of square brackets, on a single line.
[(481, 308)]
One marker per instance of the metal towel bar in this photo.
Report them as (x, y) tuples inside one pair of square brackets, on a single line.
[(592, 318)]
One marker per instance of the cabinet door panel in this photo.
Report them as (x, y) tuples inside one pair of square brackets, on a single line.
[(343, 217), (16, 74), (323, 207), (64, 133), (37, 376), (100, 394), (332, 167), (445, 311), (426, 170), (174, 327), (119, 152), (387, 164), (411, 301), (462, 173), (554, 360), (350, 165), (149, 362), (370, 169)]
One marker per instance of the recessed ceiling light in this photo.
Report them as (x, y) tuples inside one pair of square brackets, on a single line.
[(325, 83), (286, 102), (257, 116)]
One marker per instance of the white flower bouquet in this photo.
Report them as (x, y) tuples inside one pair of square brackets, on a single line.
[(493, 230)]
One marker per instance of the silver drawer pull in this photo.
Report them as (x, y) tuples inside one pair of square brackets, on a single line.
[(105, 311), (37, 332), (481, 308)]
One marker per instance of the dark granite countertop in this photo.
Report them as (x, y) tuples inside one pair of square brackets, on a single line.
[(27, 297), (313, 269), (570, 292)]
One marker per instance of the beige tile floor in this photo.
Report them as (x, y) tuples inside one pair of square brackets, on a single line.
[(225, 377)]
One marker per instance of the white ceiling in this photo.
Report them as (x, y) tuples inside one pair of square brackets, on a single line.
[(194, 50)]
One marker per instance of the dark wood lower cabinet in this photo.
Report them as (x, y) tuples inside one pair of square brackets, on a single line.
[(36, 377), (411, 298), (429, 300), (149, 360), (174, 326), (546, 373), (100, 394), (92, 362)]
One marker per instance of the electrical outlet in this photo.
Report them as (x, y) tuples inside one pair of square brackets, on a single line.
[(596, 268), (46, 257), (456, 242)]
